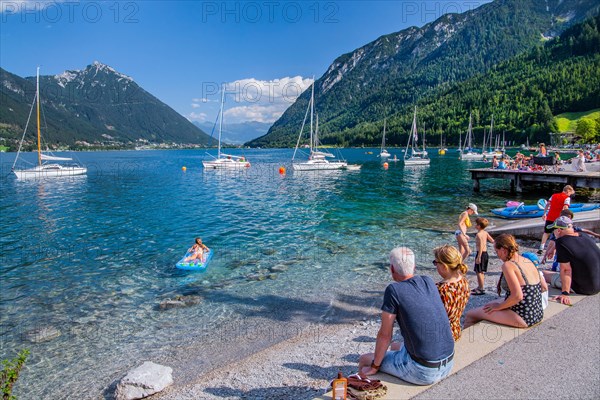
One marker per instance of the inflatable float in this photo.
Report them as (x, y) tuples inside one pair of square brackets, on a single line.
[(520, 210), (195, 265)]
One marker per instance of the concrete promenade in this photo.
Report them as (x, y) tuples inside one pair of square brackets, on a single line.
[(534, 227), (556, 359)]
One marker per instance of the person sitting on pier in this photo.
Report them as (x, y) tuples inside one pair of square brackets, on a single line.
[(522, 305), (494, 162), (427, 354), (579, 261), (543, 152)]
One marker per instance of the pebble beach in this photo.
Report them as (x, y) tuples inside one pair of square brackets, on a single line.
[(302, 367)]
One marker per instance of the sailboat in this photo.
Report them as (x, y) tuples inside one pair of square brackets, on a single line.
[(442, 150), (317, 160), (468, 153), (43, 170), (416, 157), (225, 161), (384, 153)]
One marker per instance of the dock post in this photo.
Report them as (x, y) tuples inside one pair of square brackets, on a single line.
[(518, 183), (476, 185), (512, 186)]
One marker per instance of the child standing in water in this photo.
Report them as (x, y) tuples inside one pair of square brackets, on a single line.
[(481, 259)]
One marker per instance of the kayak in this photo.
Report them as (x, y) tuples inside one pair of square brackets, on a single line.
[(534, 211), (195, 265)]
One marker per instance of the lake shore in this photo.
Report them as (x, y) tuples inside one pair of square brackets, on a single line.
[(303, 366)]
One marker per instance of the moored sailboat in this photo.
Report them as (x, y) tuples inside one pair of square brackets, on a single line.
[(225, 161), (317, 160), (383, 153), (44, 170), (415, 157)]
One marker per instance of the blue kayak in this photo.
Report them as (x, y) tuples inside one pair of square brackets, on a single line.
[(534, 211), (195, 265)]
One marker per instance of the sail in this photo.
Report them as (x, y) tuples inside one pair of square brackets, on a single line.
[(55, 158)]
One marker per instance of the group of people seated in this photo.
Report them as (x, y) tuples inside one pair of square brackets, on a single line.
[(429, 313), (521, 162)]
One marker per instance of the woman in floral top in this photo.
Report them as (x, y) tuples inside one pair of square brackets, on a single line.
[(454, 289)]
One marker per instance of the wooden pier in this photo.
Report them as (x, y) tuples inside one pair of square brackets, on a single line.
[(518, 179)]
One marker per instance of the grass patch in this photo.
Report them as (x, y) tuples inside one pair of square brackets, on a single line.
[(567, 122)]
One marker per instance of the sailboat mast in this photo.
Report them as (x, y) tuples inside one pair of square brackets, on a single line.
[(383, 140), (39, 139), (312, 110), (221, 120)]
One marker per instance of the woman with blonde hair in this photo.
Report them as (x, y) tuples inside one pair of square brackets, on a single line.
[(454, 288), (522, 305)]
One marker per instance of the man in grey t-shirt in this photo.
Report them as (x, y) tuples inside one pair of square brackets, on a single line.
[(427, 353)]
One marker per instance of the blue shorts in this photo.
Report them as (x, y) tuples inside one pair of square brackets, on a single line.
[(401, 365)]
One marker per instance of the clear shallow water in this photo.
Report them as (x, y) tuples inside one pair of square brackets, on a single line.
[(94, 256)]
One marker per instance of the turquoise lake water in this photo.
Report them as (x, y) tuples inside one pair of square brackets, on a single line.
[(94, 256)]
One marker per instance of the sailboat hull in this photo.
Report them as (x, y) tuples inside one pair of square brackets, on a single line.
[(225, 164), (416, 161), (319, 166), (49, 171), (471, 156)]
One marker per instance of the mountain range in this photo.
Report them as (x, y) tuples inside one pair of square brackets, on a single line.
[(96, 105), (388, 76)]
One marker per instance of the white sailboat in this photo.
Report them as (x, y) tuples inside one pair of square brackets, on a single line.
[(468, 153), (225, 161), (44, 170), (415, 157), (383, 153), (317, 160)]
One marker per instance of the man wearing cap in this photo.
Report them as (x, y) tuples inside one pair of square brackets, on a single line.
[(427, 354), (464, 223), (556, 203), (579, 260)]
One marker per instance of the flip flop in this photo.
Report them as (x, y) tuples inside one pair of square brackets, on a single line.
[(477, 292)]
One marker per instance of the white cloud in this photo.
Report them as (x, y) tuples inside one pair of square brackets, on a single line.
[(200, 117), (284, 90), (253, 99), (255, 112)]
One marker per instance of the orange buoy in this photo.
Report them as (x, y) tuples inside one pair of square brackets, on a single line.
[(385, 165), (282, 170), (183, 169)]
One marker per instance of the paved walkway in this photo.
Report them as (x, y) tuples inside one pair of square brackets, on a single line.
[(556, 359)]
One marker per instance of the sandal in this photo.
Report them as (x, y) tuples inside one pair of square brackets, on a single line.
[(477, 292)]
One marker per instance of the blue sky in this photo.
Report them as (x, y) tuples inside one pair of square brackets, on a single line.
[(181, 51)]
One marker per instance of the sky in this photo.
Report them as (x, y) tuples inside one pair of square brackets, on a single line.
[(264, 52)]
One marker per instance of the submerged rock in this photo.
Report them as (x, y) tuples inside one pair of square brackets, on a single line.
[(279, 268), (180, 301), (43, 334), (143, 381)]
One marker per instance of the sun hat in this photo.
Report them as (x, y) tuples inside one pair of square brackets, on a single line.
[(561, 223), (473, 207)]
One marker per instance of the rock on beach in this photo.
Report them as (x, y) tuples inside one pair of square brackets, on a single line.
[(143, 381)]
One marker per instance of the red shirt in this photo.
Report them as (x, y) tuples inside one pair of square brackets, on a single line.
[(557, 202)]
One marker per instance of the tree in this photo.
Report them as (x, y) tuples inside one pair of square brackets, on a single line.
[(587, 130)]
